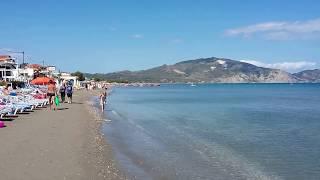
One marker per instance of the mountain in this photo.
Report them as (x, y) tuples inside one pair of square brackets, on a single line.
[(210, 70), (309, 75)]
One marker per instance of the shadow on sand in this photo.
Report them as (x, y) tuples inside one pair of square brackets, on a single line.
[(10, 116), (23, 112), (7, 119), (76, 103), (62, 109)]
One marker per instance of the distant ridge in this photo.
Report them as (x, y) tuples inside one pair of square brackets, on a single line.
[(211, 70), (309, 75)]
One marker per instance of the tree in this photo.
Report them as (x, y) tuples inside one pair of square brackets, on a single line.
[(96, 79), (80, 75)]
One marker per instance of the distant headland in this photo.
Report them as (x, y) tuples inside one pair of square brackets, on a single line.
[(210, 70)]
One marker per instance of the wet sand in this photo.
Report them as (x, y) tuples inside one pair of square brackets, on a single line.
[(66, 144)]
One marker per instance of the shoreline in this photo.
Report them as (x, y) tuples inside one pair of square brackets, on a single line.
[(66, 144), (107, 165)]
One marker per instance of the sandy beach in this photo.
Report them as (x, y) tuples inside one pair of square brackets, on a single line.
[(65, 144)]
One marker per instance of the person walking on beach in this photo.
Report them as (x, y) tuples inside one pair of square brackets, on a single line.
[(51, 94), (69, 92), (103, 98), (63, 92)]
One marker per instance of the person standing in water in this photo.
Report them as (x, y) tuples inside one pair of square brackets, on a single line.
[(51, 94), (103, 98), (69, 92)]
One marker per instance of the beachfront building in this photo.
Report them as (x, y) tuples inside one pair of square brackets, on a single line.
[(8, 68), (67, 77), (49, 71), (10, 71), (28, 72)]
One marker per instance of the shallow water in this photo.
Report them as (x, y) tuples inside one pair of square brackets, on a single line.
[(219, 131)]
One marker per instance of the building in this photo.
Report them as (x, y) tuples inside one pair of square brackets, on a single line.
[(8, 68), (10, 71), (67, 77), (28, 72), (51, 68)]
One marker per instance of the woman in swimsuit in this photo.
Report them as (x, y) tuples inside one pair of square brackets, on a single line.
[(103, 98), (51, 94)]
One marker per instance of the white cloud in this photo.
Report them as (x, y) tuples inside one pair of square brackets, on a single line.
[(286, 66), (280, 30), (136, 36)]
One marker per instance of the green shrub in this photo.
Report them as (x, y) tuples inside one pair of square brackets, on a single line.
[(3, 83)]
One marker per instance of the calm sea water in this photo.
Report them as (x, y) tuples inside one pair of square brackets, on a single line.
[(220, 131)]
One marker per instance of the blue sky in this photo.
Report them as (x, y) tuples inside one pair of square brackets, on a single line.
[(114, 35)]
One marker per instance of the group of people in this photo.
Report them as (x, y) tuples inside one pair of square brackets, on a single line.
[(66, 89), (58, 95), (95, 85)]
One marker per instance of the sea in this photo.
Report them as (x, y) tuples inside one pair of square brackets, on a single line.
[(216, 131)]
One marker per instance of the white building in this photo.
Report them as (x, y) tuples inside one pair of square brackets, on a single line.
[(26, 73), (8, 68), (67, 77), (51, 69), (29, 71)]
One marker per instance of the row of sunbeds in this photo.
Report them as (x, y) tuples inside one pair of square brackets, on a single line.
[(22, 100)]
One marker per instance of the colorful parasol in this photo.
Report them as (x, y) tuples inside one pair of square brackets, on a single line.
[(41, 81)]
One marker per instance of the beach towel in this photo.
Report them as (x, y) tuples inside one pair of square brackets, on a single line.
[(2, 125), (57, 101)]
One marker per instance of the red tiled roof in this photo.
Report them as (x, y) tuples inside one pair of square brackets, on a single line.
[(4, 57), (34, 66)]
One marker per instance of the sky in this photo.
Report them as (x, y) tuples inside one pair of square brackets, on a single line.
[(113, 35)]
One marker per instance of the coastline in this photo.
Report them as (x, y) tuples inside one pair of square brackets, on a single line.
[(106, 164), (67, 144)]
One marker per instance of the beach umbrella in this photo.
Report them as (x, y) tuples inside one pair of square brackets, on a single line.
[(41, 81)]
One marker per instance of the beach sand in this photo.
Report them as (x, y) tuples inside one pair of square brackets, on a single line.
[(65, 144)]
